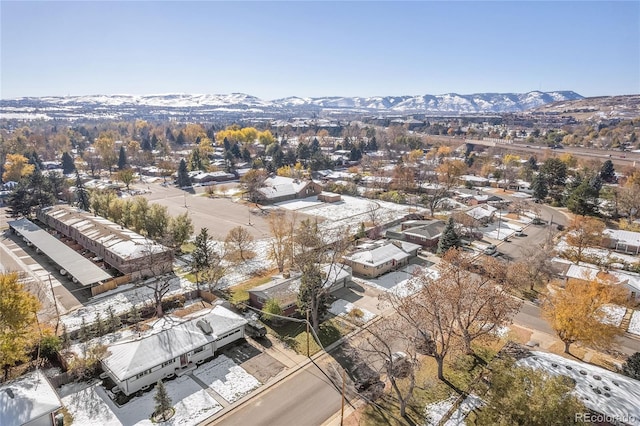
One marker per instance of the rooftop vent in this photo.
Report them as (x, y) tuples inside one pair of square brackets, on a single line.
[(204, 326)]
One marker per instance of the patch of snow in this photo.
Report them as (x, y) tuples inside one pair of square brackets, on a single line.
[(598, 389), (229, 380), (634, 324), (342, 308), (469, 404), (613, 314), (93, 406), (437, 410)]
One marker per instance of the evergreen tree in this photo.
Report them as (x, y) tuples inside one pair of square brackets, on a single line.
[(68, 166), (195, 161), (180, 140), (373, 144), (183, 175), (82, 196), (146, 145), (34, 159), (114, 321), (539, 187), (154, 141), (19, 201), (163, 401), (449, 239), (202, 255), (246, 155), (134, 317), (84, 334), (64, 337), (235, 150), (532, 163), (98, 325), (583, 200), (631, 367), (211, 133), (608, 172), (169, 135), (122, 159), (226, 144)]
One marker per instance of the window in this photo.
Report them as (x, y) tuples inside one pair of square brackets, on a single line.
[(200, 349), (144, 373), (164, 364)]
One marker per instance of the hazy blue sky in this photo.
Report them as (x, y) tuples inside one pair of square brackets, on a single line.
[(279, 49)]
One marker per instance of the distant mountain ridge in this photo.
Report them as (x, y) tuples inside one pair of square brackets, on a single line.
[(179, 104)]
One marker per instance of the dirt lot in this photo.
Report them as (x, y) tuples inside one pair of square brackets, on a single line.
[(219, 215)]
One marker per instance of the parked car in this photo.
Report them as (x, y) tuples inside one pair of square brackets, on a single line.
[(490, 249)]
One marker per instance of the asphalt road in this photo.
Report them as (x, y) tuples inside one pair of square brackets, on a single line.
[(306, 398)]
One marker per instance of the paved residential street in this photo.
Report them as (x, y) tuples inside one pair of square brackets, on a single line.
[(305, 398)]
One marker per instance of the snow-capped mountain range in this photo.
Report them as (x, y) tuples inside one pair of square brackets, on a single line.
[(112, 106)]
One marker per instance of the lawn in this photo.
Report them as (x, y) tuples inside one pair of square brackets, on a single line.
[(460, 370), (239, 293), (294, 334)]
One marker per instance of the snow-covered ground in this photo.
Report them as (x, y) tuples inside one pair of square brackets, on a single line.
[(600, 253), (121, 302), (613, 314), (499, 230), (435, 412), (92, 406), (229, 380), (634, 325), (342, 308), (399, 282), (600, 390), (349, 212)]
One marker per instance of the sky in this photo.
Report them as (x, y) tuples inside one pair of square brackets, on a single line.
[(274, 50)]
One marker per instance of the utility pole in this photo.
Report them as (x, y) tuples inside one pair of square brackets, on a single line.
[(342, 408), (55, 303), (307, 333)]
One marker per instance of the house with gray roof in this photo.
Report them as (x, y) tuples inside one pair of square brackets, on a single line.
[(377, 259), (174, 346), (285, 289), (425, 233)]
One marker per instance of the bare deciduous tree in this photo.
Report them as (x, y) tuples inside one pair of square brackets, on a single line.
[(240, 243), (282, 227)]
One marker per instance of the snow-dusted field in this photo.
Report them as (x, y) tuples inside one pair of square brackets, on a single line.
[(634, 325), (342, 308), (601, 390), (436, 411), (92, 406), (229, 380), (613, 314)]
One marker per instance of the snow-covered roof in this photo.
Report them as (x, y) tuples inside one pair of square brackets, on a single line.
[(123, 242), (481, 212), (279, 186), (130, 357), (629, 238), (379, 255), (600, 390), (26, 399), (471, 178), (582, 272)]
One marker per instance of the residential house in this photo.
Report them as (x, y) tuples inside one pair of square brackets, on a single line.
[(483, 213), (138, 363), (212, 177), (278, 188), (374, 260), (585, 273), (425, 233), (284, 290), (29, 400), (622, 240), (121, 248), (329, 197)]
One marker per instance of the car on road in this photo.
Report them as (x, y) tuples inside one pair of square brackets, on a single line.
[(538, 221), (490, 249)]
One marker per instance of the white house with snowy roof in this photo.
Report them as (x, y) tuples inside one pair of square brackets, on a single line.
[(175, 346), (279, 188), (376, 260), (28, 400), (622, 240)]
